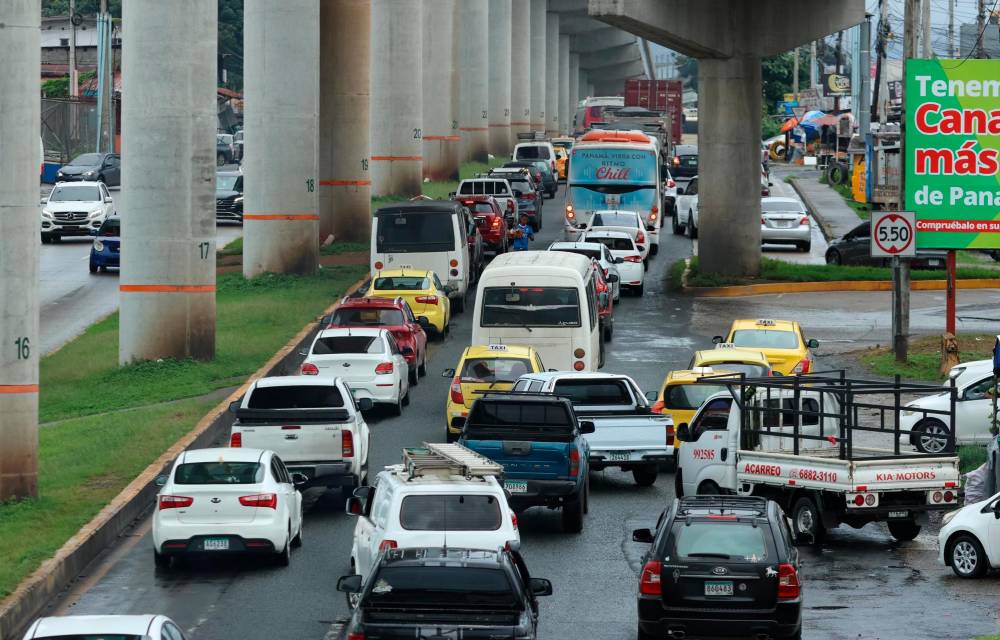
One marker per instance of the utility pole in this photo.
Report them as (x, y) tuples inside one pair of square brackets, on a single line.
[(840, 63), (927, 50), (901, 268), (952, 50), (795, 74), (980, 27), (864, 78), (74, 89), (883, 76), (813, 75)]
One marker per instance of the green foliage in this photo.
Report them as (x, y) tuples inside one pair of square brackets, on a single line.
[(83, 7), (970, 458), (676, 274), (59, 87), (440, 190), (924, 354), (687, 69)]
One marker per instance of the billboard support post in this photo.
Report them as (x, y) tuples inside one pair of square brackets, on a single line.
[(950, 300)]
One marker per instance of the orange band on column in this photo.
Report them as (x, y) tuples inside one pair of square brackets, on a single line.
[(473, 129), (18, 388), (398, 158), (445, 138), (166, 288), (499, 125), (281, 216), (344, 183)]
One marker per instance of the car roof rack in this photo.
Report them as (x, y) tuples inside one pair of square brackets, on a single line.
[(688, 504), (448, 459)]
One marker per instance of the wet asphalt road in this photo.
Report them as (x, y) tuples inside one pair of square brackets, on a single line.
[(859, 584)]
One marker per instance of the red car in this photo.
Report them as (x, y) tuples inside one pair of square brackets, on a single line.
[(605, 304), (393, 315), (489, 220)]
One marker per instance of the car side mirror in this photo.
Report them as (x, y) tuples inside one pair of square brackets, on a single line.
[(540, 586), (299, 479), (448, 373), (407, 351), (365, 404), (683, 432), (644, 536), (770, 184), (349, 584), (423, 322), (680, 191), (586, 426), (161, 481), (354, 506), (812, 343), (717, 339), (234, 406), (108, 200), (325, 320), (651, 396), (612, 278), (996, 510), (452, 195)]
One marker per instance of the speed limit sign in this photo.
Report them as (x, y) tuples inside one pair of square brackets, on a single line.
[(893, 234)]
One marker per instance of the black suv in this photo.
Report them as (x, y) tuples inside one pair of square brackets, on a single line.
[(229, 196), (720, 566), (430, 592)]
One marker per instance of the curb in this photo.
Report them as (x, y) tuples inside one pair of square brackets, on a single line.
[(836, 285), (827, 231), (38, 590)]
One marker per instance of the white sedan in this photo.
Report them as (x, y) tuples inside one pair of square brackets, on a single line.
[(686, 216), (117, 627), (368, 361), (785, 221), (222, 501), (626, 221), (927, 418), (595, 251), (628, 258), (968, 538)]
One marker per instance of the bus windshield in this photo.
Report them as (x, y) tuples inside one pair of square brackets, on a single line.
[(531, 307), (613, 166)]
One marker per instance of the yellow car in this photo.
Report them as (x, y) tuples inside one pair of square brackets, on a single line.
[(491, 367), (751, 362), (780, 340), (421, 289), (562, 161), (680, 397)]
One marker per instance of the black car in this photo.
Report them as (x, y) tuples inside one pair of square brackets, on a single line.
[(550, 182), (229, 196), (684, 164), (854, 248), (445, 593), (102, 167), (720, 566)]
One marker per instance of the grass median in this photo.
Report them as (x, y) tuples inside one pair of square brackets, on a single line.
[(924, 356), (439, 190), (102, 424)]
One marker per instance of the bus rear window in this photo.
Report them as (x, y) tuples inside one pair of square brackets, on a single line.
[(531, 307), (423, 232)]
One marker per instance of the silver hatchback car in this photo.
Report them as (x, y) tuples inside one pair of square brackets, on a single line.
[(785, 221)]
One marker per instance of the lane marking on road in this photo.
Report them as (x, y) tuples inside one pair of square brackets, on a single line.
[(444, 138), (281, 216), (166, 288), (399, 158), (342, 183), (18, 388)]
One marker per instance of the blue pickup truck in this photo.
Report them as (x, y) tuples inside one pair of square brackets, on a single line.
[(539, 441)]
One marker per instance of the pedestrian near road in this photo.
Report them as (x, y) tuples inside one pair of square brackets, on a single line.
[(522, 234)]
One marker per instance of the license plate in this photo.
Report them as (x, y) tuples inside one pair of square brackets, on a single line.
[(934, 263), (719, 588), (784, 224), (899, 514), (515, 486), (215, 544), (621, 456)]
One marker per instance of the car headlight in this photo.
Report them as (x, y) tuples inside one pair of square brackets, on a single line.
[(238, 199), (98, 245), (94, 213), (948, 517), (89, 173), (46, 214)]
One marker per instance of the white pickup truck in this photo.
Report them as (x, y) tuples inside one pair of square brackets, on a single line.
[(805, 455), (627, 434), (313, 424)]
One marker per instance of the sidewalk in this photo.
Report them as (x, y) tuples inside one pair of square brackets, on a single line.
[(824, 203)]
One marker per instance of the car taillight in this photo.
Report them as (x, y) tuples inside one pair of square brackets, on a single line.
[(633, 258), (309, 369), (495, 224), (574, 461), (513, 520), (649, 582), (175, 502), (383, 368), (640, 238), (456, 391), (378, 265), (346, 444), (803, 366), (803, 220), (510, 205), (788, 582), (653, 213), (388, 544), (670, 435), (677, 161), (763, 221), (356, 635), (236, 440), (260, 501), (427, 299)]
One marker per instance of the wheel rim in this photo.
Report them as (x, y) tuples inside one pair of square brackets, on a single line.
[(934, 438), (805, 520), (964, 557)]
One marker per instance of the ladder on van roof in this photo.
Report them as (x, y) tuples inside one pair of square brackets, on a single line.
[(435, 458)]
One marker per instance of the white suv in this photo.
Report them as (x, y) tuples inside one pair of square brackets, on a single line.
[(499, 188), (75, 209), (430, 501)]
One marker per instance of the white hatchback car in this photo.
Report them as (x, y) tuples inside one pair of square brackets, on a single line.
[(368, 361), (968, 540), (75, 209), (437, 507), (628, 257), (595, 251), (626, 221), (222, 501), (927, 418), (147, 627)]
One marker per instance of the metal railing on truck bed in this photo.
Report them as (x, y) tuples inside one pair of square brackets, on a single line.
[(775, 407)]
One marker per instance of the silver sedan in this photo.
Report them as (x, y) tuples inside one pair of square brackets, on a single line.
[(785, 221)]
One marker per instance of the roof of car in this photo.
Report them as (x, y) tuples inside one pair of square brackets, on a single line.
[(438, 556), (590, 246), (781, 200), (228, 173), (441, 483), (294, 381), (490, 351), (421, 206), (77, 183), (574, 375), (351, 331), (684, 376), (546, 259), (602, 232), (222, 454), (57, 626), (373, 301), (512, 397), (404, 273), (715, 356), (764, 323)]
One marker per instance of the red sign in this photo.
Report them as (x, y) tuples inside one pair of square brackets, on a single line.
[(893, 233)]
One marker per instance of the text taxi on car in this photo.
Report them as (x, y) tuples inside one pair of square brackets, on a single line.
[(726, 356), (680, 397), (421, 289), (482, 368), (780, 340)]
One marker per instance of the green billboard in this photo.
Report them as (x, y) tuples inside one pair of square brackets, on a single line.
[(952, 147)]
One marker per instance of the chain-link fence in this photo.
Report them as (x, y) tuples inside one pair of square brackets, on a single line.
[(69, 128)]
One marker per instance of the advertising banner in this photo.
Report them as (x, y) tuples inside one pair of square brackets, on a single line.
[(952, 149), (836, 84)]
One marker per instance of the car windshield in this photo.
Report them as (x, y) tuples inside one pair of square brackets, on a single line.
[(110, 228), (75, 194), (494, 369), (303, 397), (587, 253), (347, 344), (614, 244), (86, 160), (615, 219), (787, 207), (765, 339), (530, 152), (592, 392), (219, 473), (481, 207), (367, 317), (735, 540), (531, 307), (448, 586), (450, 513), (226, 183), (689, 396), (402, 283), (523, 186), (426, 231), (751, 370)]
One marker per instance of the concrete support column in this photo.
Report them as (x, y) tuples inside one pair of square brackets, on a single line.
[(167, 280), (473, 75), (440, 129), (344, 137), (520, 66), (563, 84), (538, 67), (397, 98), (552, 74), (590, 89), (499, 89), (19, 126), (729, 103), (574, 89), (281, 53)]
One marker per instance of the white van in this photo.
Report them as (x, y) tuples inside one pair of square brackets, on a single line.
[(541, 299), (541, 150), (424, 234)]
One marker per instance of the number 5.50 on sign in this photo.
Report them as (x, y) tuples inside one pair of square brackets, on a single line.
[(893, 234)]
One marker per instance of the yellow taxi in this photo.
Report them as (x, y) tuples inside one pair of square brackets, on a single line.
[(421, 289), (562, 161), (781, 341), (481, 368), (726, 357), (680, 398)]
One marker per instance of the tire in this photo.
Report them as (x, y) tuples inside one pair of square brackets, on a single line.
[(93, 268), (903, 530), (678, 485), (932, 436), (297, 540), (572, 513), (460, 304), (967, 557), (645, 476), (654, 249), (422, 369), (806, 520), (692, 231), (676, 228), (284, 557), (600, 357), (639, 290), (642, 635), (805, 246), (833, 257), (449, 436), (645, 264), (161, 561), (606, 333), (406, 398), (220, 159), (709, 488), (413, 377), (397, 408)]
